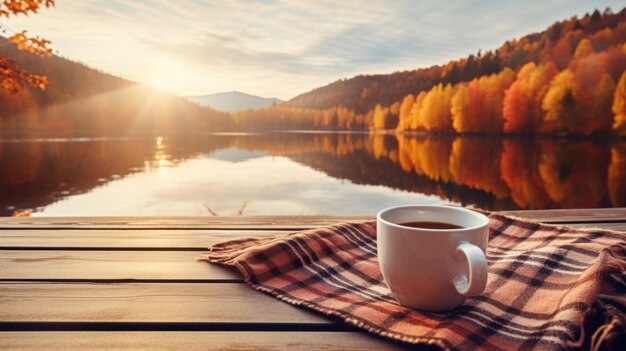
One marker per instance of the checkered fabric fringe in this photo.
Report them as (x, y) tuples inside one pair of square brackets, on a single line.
[(549, 287)]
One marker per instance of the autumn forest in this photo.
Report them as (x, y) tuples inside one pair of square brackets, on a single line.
[(568, 79)]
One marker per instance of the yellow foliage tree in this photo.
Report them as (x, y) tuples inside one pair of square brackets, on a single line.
[(380, 117), (435, 112), (346, 118), (460, 108), (405, 112), (558, 104), (12, 76), (415, 120), (584, 48), (494, 87)]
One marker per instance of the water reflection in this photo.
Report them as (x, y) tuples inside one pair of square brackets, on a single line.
[(304, 173), (205, 186)]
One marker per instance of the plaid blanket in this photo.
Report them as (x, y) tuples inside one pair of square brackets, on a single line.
[(549, 287)]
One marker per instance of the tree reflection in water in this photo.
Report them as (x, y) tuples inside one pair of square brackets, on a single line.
[(490, 172)]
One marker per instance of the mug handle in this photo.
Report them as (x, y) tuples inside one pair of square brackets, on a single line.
[(475, 283)]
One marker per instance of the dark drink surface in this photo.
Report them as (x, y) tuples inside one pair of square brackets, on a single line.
[(430, 225)]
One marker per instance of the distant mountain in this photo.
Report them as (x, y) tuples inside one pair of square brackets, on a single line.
[(233, 101)]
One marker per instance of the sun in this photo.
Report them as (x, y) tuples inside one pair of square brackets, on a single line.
[(166, 75)]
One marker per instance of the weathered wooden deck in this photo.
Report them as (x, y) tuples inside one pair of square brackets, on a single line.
[(134, 283)]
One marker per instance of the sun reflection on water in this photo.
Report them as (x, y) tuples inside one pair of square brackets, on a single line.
[(161, 158)]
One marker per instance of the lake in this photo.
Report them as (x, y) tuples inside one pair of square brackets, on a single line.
[(301, 173)]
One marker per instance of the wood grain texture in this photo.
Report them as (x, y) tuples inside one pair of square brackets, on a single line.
[(573, 215), (154, 239), (619, 226), (94, 265), (132, 302), (196, 341), (167, 222), (277, 222), (186, 239)]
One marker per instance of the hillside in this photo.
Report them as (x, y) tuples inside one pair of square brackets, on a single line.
[(81, 98), (568, 79), (363, 92), (233, 101)]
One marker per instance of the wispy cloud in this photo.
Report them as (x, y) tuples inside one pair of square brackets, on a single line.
[(282, 48)]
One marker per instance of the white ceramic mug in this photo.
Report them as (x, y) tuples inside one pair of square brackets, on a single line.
[(432, 269)]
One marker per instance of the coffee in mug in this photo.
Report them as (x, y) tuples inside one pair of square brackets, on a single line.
[(432, 256), (431, 225)]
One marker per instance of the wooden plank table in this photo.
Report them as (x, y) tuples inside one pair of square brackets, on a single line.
[(134, 283)]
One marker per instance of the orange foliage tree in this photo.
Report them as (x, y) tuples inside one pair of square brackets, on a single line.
[(619, 105), (579, 98), (599, 116), (562, 52), (12, 76), (522, 102), (478, 107)]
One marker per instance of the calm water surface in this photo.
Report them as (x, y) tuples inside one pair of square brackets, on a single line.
[(301, 173)]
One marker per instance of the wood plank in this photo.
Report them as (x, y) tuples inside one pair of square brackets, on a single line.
[(185, 239), (110, 265), (130, 302), (171, 222), (57, 263), (170, 239), (573, 215), (279, 222), (611, 226), (196, 341)]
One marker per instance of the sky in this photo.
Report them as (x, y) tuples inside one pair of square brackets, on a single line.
[(275, 48)]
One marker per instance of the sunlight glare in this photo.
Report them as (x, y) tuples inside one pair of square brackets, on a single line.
[(161, 158), (166, 75)]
